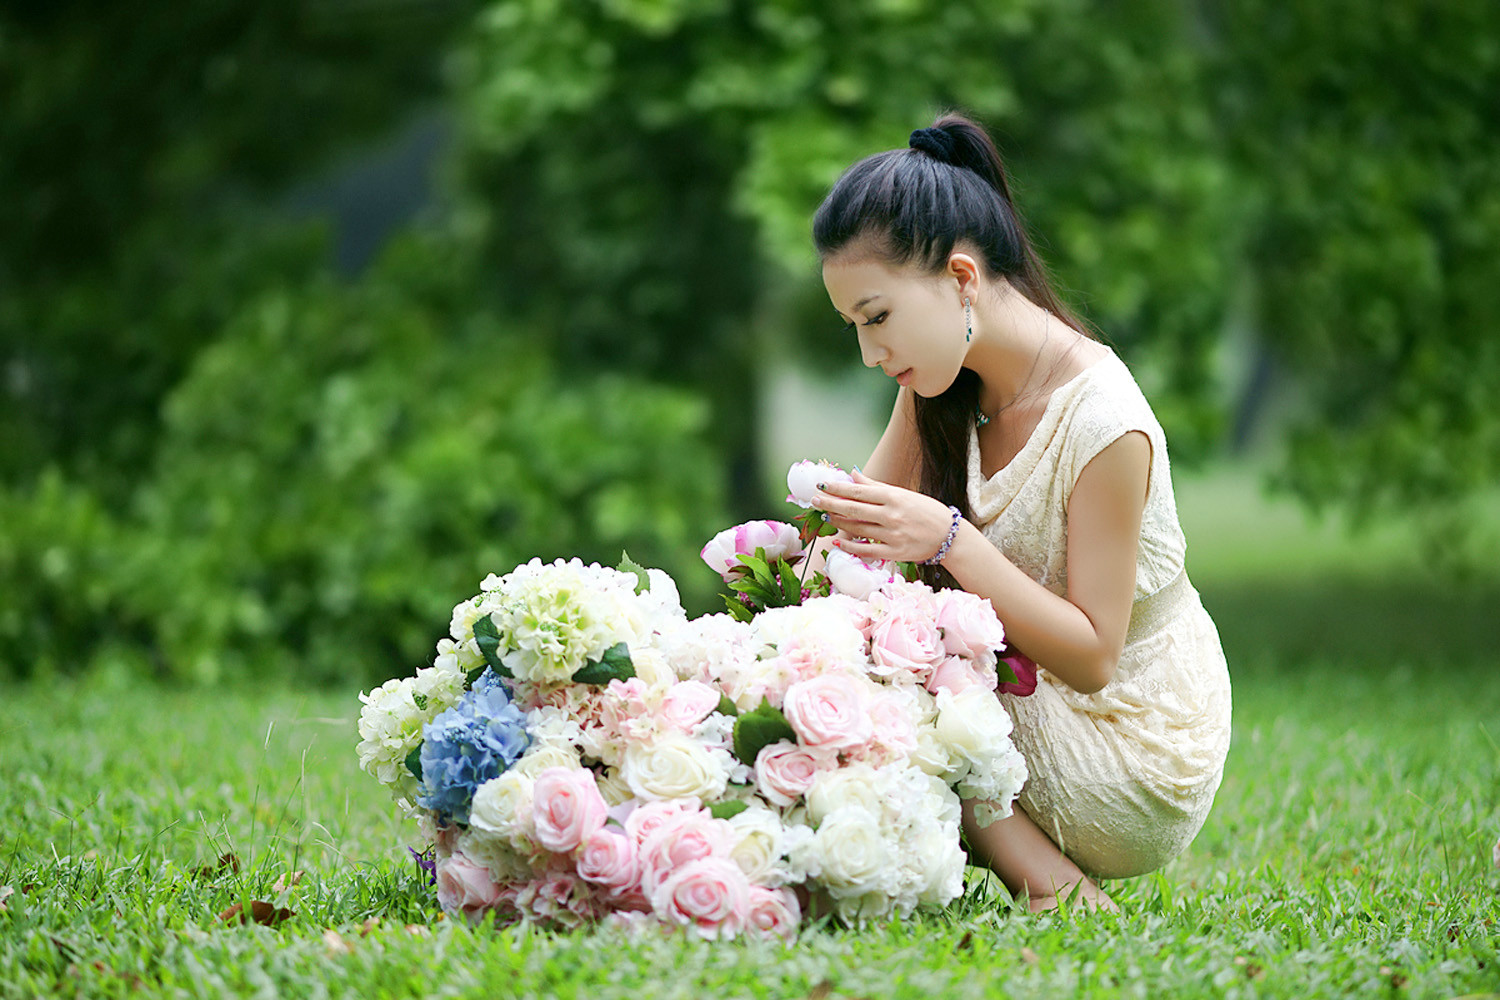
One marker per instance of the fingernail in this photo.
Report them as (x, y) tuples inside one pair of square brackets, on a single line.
[(825, 515), (822, 486), (856, 468)]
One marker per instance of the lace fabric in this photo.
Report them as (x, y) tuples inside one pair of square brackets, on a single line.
[(1121, 779)]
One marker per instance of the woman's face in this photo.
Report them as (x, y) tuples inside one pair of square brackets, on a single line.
[(910, 324)]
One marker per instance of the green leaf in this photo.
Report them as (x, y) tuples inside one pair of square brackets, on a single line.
[(1006, 672), (488, 639), (629, 565), (756, 564), (614, 665), (727, 707), (727, 809), (791, 587), (414, 761), (763, 726), (737, 609)]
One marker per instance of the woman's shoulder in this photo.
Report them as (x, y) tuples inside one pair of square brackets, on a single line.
[(1103, 404)]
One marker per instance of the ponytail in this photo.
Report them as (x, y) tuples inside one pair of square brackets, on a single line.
[(913, 207)]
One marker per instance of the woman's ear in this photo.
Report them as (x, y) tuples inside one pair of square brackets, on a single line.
[(964, 269)]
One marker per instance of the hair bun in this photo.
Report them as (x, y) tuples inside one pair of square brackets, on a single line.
[(935, 142)]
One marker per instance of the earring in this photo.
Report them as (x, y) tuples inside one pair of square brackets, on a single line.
[(968, 322)]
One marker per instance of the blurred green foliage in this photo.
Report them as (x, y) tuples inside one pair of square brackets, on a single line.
[(218, 460), (337, 471)]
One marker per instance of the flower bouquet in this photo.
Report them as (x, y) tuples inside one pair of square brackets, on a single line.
[(580, 750)]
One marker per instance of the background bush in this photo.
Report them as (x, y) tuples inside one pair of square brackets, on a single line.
[(335, 472)]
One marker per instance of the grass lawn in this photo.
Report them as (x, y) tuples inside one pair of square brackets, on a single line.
[(1349, 852)]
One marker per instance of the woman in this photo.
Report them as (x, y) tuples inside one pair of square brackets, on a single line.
[(1023, 464)]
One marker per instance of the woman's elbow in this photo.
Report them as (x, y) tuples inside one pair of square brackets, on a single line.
[(1094, 674)]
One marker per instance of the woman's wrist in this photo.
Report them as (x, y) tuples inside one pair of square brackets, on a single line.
[(956, 520)]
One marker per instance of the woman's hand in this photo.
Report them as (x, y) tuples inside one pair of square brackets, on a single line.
[(879, 521)]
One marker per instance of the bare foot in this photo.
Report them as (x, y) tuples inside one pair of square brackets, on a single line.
[(1085, 894)]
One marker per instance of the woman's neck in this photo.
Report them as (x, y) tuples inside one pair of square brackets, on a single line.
[(1019, 350)]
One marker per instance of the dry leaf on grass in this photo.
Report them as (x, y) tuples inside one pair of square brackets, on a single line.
[(335, 943), (260, 911)]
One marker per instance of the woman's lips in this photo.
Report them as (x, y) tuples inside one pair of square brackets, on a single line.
[(904, 378)]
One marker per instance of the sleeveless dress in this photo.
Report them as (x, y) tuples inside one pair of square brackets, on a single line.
[(1121, 779)]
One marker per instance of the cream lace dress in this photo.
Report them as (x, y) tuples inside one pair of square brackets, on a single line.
[(1121, 779)]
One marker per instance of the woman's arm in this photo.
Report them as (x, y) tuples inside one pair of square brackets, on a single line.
[(1078, 638)]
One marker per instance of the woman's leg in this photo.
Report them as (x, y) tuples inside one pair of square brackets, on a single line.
[(1028, 862)]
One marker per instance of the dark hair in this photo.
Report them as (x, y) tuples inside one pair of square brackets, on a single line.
[(913, 207)]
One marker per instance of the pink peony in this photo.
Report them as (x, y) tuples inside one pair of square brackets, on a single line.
[(829, 711), (778, 539), (611, 860), (465, 887), (784, 771), (902, 643), (686, 704), (959, 674), (567, 807), (773, 912), (1025, 669), (709, 896), (968, 624), (849, 574)]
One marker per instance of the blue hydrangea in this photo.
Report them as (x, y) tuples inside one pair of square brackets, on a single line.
[(467, 745)]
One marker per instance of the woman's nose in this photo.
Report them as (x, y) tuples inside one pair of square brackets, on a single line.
[(870, 353)]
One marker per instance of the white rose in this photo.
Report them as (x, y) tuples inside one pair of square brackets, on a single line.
[(653, 668), (855, 786), (971, 721), (758, 846), (502, 807), (613, 787), (674, 766), (853, 857), (934, 757), (539, 757)]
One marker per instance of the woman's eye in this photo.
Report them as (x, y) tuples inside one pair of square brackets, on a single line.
[(876, 320), (849, 326)]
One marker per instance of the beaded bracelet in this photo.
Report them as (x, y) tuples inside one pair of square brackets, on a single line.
[(942, 551)]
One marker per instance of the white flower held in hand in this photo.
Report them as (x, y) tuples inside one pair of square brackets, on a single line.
[(802, 480)]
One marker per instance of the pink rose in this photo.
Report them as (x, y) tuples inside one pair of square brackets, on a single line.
[(773, 913), (778, 539), (828, 711), (679, 840), (849, 574), (968, 623), (567, 807), (465, 887), (646, 817), (785, 771), (710, 896), (611, 860), (803, 477), (1025, 669), (688, 703), (902, 643), (959, 674), (891, 722)]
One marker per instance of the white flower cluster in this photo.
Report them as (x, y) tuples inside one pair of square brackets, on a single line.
[(390, 724)]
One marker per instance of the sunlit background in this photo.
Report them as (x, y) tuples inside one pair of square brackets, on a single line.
[(313, 313)]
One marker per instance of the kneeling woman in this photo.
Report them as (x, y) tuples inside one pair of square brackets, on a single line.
[(1023, 463)]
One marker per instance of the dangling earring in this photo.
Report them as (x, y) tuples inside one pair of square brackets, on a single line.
[(968, 322)]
